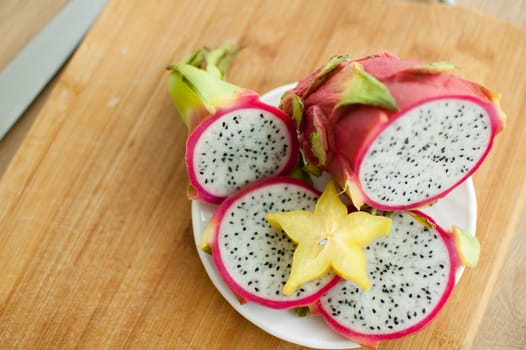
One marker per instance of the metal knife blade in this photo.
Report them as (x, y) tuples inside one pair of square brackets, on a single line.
[(28, 73)]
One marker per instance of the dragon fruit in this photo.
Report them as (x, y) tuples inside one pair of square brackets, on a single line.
[(190, 106), (234, 139), (394, 134), (253, 258), (412, 271)]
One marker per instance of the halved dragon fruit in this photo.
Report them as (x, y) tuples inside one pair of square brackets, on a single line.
[(412, 272), (394, 134), (235, 139), (255, 259), (242, 144)]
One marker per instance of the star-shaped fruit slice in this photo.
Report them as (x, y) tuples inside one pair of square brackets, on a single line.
[(329, 238)]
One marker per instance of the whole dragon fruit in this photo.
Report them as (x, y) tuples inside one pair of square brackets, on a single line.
[(234, 138), (253, 258), (394, 134), (412, 271)]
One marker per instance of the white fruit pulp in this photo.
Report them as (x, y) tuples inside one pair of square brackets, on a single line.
[(425, 151), (241, 147)]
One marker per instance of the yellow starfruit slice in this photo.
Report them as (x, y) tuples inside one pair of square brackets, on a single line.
[(329, 238)]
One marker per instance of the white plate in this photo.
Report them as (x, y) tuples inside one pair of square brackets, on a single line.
[(459, 207)]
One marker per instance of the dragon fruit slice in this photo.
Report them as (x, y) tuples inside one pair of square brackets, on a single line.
[(412, 273), (236, 141), (239, 145), (255, 259), (395, 134)]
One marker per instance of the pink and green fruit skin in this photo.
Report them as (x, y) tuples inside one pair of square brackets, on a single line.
[(234, 138), (353, 138)]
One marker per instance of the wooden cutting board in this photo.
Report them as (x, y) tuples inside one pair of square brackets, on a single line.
[(97, 248)]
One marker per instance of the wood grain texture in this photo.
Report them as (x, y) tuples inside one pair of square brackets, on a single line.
[(512, 11), (11, 142), (503, 326), (97, 244), (504, 323), (20, 20)]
